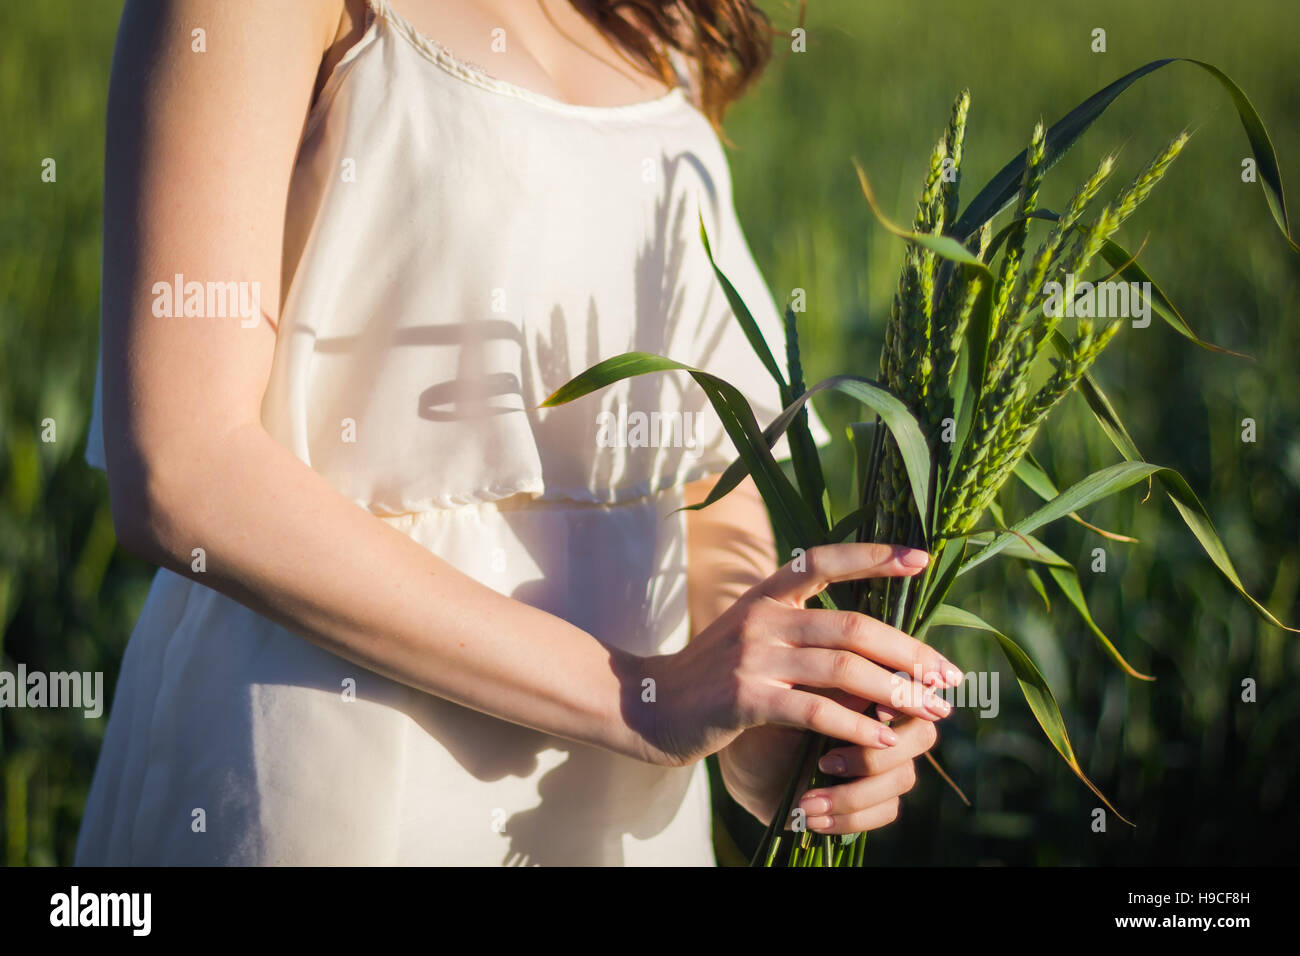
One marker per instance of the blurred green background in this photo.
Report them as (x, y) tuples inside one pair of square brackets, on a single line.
[(1207, 778)]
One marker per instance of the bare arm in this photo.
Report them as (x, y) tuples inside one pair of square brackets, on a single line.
[(199, 155)]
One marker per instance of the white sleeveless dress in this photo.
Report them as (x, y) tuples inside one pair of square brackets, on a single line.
[(456, 248)]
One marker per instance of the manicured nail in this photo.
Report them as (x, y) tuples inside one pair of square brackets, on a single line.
[(912, 558), (952, 676), (815, 805), (888, 737), (937, 705), (819, 823), (832, 764)]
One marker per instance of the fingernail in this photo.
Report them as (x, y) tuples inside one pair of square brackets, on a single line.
[(819, 823), (951, 675), (888, 737), (832, 764), (816, 805), (912, 558), (937, 705)]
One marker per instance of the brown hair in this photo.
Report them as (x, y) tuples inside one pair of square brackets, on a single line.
[(728, 42)]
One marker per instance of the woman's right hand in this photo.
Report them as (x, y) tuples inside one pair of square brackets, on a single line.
[(751, 666)]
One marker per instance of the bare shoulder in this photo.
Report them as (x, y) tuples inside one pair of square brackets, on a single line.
[(188, 72), (206, 107), (159, 38)]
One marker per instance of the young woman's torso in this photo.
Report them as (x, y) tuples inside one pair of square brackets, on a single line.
[(458, 244)]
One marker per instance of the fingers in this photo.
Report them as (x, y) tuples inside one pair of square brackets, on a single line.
[(806, 576), (913, 738), (863, 804), (809, 711), (820, 667), (871, 800), (876, 641), (872, 818)]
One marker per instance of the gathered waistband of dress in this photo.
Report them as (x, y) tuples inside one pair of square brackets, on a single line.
[(524, 502)]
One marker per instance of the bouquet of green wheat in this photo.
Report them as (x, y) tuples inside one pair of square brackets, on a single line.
[(988, 332)]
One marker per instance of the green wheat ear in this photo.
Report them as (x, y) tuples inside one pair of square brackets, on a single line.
[(954, 139), (1014, 414), (1015, 247), (972, 352)]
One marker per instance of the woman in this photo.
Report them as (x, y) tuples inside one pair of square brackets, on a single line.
[(403, 614)]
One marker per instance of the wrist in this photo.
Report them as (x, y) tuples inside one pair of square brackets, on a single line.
[(741, 786), (640, 727)]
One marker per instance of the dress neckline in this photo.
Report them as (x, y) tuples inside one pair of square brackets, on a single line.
[(475, 75)]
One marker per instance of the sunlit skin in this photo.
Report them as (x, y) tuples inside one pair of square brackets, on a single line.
[(191, 465), (730, 550)]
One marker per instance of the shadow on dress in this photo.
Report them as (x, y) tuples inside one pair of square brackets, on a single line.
[(586, 800)]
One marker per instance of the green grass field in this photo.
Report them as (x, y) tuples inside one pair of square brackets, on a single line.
[(1206, 777)]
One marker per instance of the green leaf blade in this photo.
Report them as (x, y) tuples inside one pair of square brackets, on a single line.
[(1042, 703)]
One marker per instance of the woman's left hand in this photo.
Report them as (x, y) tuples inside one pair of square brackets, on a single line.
[(731, 550), (757, 765)]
